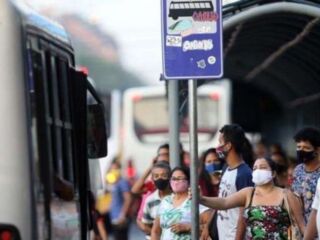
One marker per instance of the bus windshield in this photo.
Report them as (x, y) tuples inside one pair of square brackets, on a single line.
[(151, 119)]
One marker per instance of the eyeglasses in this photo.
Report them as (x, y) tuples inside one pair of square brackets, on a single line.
[(178, 179)]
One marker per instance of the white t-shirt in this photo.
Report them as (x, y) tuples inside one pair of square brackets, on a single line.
[(232, 181), (316, 205)]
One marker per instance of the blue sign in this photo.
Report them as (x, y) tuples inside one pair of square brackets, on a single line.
[(192, 39)]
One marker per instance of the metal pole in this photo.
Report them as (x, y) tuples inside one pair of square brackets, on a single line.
[(193, 126), (174, 124)]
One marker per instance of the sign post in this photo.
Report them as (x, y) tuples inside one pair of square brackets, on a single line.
[(192, 49), (174, 124)]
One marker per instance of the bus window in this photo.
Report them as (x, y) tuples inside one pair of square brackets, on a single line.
[(192, 5), (208, 116), (152, 126), (34, 59), (55, 122), (146, 121), (67, 155)]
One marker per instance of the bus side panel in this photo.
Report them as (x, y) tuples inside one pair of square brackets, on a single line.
[(142, 152), (14, 163)]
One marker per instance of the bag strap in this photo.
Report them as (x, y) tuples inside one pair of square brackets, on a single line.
[(251, 197)]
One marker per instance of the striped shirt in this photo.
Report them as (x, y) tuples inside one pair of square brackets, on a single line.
[(151, 206)]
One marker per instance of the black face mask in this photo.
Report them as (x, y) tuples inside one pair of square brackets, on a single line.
[(161, 183), (304, 156)]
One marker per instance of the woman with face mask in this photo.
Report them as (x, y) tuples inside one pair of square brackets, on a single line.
[(266, 205), (210, 173), (173, 220)]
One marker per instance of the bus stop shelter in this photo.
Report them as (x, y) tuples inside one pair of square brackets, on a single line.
[(272, 57)]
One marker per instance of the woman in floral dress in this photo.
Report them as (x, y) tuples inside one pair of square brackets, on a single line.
[(267, 222), (266, 211), (174, 213)]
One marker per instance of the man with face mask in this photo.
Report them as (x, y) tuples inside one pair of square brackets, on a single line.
[(160, 174), (232, 147), (306, 174)]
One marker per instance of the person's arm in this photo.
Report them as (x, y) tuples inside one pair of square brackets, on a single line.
[(205, 229), (311, 229), (137, 187), (63, 188), (204, 219), (146, 220), (237, 199), (241, 226), (140, 224), (102, 230), (125, 207), (125, 190), (297, 210), (146, 228), (156, 230)]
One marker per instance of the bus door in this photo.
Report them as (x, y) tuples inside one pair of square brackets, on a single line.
[(55, 178)]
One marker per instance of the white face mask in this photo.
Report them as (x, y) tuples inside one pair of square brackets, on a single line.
[(261, 176)]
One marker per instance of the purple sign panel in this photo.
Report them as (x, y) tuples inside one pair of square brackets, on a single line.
[(192, 39)]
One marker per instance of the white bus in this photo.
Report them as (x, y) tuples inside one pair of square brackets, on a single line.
[(146, 121), (43, 131)]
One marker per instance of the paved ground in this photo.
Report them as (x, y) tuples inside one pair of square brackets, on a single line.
[(135, 233)]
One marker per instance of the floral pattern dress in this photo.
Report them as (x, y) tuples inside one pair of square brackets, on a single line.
[(169, 215), (267, 222)]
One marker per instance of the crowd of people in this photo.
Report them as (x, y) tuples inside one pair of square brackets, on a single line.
[(245, 193)]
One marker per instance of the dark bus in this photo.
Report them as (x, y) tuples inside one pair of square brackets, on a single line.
[(47, 130)]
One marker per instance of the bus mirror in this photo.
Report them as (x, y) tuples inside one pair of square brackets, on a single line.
[(96, 132)]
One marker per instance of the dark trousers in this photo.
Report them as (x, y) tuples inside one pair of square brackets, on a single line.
[(120, 232)]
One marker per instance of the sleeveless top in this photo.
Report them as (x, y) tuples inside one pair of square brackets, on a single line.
[(266, 222)]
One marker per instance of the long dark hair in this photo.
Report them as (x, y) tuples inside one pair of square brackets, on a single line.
[(204, 174)]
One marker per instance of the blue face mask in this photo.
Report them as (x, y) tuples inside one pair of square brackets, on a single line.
[(211, 167)]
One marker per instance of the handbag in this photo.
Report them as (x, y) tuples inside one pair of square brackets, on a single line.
[(213, 230), (293, 231)]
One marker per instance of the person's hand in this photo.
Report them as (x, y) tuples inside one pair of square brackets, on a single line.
[(122, 220), (180, 227), (153, 162), (205, 233), (190, 193)]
